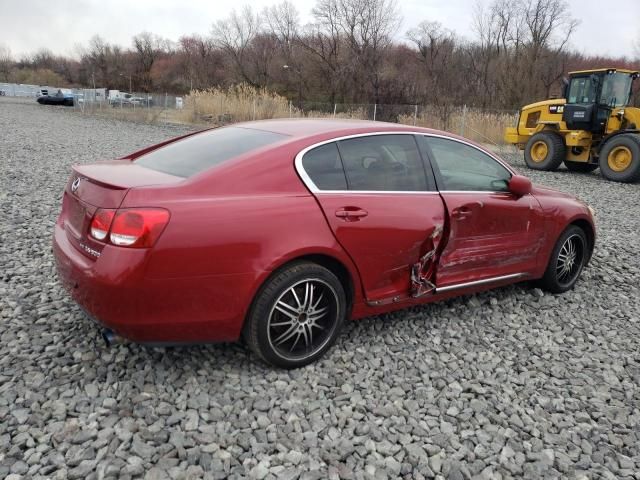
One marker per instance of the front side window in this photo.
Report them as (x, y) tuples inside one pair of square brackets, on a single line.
[(462, 167), (383, 163)]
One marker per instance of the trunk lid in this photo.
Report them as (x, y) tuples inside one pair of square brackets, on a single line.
[(101, 185)]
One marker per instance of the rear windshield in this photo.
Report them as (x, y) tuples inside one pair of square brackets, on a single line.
[(199, 152)]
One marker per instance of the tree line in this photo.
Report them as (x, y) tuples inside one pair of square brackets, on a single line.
[(352, 51)]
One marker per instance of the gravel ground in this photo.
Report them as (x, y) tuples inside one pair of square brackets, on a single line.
[(509, 383)]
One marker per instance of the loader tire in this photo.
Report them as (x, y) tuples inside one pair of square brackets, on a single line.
[(620, 158), (580, 167), (545, 151)]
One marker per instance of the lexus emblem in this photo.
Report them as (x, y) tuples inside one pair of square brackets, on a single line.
[(75, 184)]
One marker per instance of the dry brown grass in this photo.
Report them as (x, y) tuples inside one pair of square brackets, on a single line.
[(238, 103), (243, 102), (481, 126)]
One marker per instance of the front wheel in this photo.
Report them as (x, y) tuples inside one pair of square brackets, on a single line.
[(545, 151), (620, 158), (296, 316), (567, 260)]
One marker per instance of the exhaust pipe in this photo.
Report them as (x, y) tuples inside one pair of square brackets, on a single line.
[(111, 338)]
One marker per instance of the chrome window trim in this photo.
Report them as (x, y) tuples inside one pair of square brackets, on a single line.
[(378, 192), (314, 189), (490, 192), (511, 276)]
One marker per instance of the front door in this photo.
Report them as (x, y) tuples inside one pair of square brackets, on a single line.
[(381, 205), (491, 232)]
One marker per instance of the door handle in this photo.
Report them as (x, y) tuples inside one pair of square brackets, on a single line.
[(461, 213), (466, 210), (351, 214)]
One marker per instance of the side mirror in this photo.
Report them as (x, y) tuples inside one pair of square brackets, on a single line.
[(519, 185)]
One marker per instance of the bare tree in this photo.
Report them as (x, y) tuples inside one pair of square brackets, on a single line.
[(437, 51), (368, 26), (6, 62), (199, 60), (322, 40), (521, 49), (148, 48), (235, 36), (283, 21)]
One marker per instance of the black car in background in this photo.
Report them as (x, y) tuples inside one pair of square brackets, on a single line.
[(59, 98)]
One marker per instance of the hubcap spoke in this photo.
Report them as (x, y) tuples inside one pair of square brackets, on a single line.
[(296, 342), (282, 324), (314, 318), (295, 296), (284, 311), (286, 335), (306, 337), (315, 306)]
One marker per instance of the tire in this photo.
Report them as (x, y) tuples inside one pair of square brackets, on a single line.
[(278, 328), (556, 279), (620, 158), (580, 167), (545, 151)]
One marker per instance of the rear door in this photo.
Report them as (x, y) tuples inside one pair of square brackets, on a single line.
[(382, 207), (491, 232)]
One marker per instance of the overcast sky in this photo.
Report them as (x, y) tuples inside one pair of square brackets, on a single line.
[(606, 28)]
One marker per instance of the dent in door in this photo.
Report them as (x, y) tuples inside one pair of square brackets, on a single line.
[(423, 271)]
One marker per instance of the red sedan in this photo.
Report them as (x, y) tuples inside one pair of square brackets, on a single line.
[(279, 231)]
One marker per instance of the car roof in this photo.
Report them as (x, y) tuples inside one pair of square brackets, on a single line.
[(312, 127)]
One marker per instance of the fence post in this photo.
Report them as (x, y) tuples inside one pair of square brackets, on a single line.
[(335, 107), (415, 115), (375, 110), (254, 109), (290, 109), (165, 100), (464, 117)]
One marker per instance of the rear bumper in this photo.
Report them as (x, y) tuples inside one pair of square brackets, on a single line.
[(114, 291)]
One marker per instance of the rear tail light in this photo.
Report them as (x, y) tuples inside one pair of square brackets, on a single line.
[(101, 223), (130, 227), (138, 227)]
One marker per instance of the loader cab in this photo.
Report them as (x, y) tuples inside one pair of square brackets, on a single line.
[(591, 95)]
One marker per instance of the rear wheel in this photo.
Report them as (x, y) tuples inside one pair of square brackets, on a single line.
[(620, 158), (567, 260), (580, 167), (545, 151), (296, 315)]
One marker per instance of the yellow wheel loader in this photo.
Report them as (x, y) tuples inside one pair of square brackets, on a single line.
[(592, 127)]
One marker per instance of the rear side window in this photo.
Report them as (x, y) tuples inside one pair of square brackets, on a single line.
[(324, 167), (199, 152), (383, 163)]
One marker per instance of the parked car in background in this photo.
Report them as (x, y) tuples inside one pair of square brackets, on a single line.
[(281, 230), (61, 97)]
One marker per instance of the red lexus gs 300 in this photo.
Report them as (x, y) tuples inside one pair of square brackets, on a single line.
[(279, 231)]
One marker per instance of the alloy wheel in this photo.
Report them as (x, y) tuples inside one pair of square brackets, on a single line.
[(303, 319), (570, 260)]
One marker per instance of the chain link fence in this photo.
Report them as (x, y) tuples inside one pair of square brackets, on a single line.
[(484, 126)]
